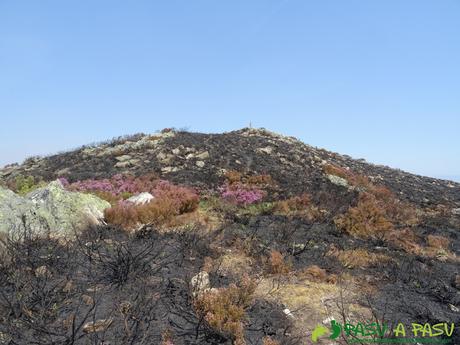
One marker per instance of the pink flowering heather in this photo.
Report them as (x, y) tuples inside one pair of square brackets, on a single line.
[(242, 194), (65, 183), (118, 186)]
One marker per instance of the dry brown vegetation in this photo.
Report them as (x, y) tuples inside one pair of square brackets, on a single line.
[(235, 177), (358, 258), (317, 274), (439, 242), (170, 203), (435, 246), (378, 209), (299, 206), (224, 309), (378, 212), (270, 341), (367, 219), (277, 263), (406, 239)]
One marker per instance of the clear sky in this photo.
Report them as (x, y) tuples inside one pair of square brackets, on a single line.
[(378, 80)]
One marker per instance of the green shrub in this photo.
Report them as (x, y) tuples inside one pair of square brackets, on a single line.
[(25, 184)]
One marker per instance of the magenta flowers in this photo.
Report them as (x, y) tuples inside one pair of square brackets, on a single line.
[(242, 194)]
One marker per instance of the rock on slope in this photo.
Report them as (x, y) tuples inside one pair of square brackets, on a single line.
[(48, 210), (200, 159)]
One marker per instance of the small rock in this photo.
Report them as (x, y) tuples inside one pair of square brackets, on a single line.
[(123, 158), (141, 199), (200, 283), (200, 164), (176, 151), (97, 326), (122, 165), (42, 272), (456, 211), (338, 181), (169, 169), (202, 155), (288, 313), (165, 158), (268, 150), (88, 300), (454, 308)]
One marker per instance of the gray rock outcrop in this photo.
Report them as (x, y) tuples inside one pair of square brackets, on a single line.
[(50, 210)]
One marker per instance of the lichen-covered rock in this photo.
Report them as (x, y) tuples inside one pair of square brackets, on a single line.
[(200, 283), (338, 181), (50, 210), (19, 217)]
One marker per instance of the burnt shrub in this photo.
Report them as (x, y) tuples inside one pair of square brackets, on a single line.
[(170, 201), (366, 219), (277, 263), (223, 310)]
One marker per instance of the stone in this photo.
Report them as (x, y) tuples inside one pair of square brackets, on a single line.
[(288, 313), (200, 283), (165, 158), (456, 211), (338, 181), (97, 326), (123, 158), (19, 217), (202, 155), (169, 169), (141, 199), (200, 164), (454, 308), (50, 210), (42, 272), (128, 163), (268, 150)]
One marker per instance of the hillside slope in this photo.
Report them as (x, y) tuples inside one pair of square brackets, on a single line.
[(199, 159)]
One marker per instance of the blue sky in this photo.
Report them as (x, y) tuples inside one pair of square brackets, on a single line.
[(378, 80)]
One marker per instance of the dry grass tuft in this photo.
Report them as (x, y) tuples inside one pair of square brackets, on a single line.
[(270, 341), (299, 206), (277, 264), (439, 242), (406, 239), (317, 274), (358, 258), (224, 309)]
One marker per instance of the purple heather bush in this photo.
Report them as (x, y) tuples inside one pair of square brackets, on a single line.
[(120, 187), (116, 185), (241, 194)]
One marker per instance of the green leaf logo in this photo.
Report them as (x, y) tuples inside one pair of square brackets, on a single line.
[(336, 330)]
